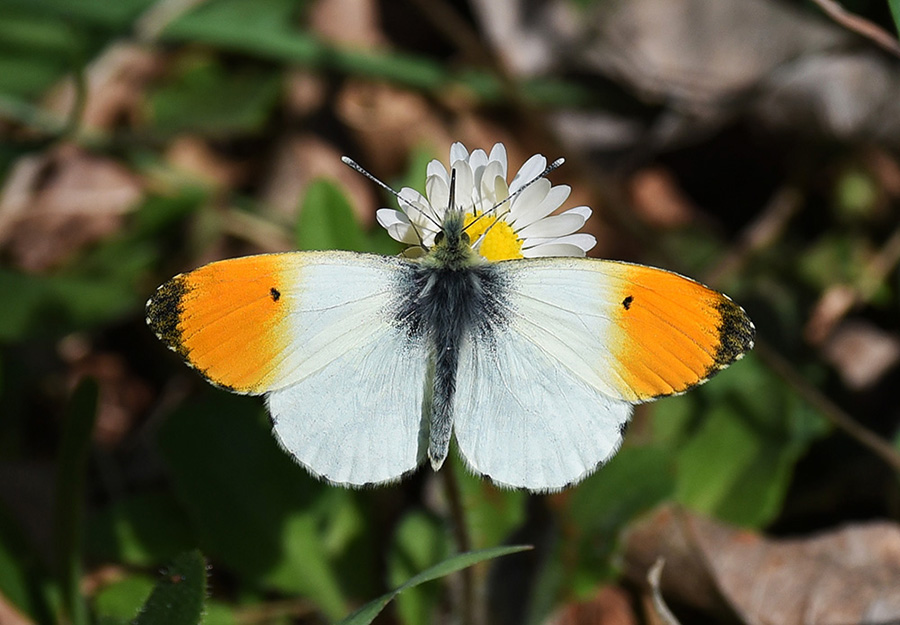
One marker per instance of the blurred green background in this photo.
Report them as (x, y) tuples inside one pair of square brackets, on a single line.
[(139, 139)]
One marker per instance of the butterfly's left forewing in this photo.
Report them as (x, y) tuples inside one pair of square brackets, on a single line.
[(549, 386), (316, 332)]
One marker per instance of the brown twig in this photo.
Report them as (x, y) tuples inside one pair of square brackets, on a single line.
[(860, 26), (762, 233), (274, 610), (660, 610), (831, 411)]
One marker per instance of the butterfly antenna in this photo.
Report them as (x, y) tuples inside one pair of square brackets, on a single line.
[(359, 168), (551, 167), (452, 202)]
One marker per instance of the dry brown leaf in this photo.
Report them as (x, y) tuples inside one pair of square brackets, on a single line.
[(609, 606), (657, 198), (123, 397), (886, 170), (861, 352), (299, 160), (56, 204), (351, 23), (116, 81), (195, 157), (304, 92), (388, 123), (10, 615), (705, 62), (848, 575), (833, 305)]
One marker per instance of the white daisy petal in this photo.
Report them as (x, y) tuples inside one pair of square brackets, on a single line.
[(581, 240), (397, 225), (493, 183), (553, 249), (532, 168), (438, 191), (554, 226), (418, 210), (465, 186), (477, 160), (524, 214), (498, 155), (436, 168), (458, 152), (580, 210)]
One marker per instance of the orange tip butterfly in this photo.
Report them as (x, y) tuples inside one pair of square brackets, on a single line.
[(499, 335)]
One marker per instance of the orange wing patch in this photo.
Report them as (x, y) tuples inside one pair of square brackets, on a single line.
[(675, 333), (227, 319)]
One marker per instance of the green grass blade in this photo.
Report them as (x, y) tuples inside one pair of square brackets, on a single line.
[(895, 12), (69, 513), (179, 596), (368, 612)]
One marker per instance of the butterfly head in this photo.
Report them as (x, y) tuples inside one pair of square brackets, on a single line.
[(452, 247)]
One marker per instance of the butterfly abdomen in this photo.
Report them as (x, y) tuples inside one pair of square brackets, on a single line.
[(445, 305)]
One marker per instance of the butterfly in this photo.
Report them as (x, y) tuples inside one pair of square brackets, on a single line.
[(370, 364)]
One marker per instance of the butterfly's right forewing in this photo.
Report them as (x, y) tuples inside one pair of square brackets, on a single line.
[(550, 385)]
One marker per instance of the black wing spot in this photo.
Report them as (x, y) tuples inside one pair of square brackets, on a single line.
[(275, 293), (627, 302)]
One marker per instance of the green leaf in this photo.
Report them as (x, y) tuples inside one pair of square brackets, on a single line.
[(420, 541), (179, 596), (368, 612), (119, 602), (492, 513), (69, 500), (253, 507), (327, 222), (142, 530), (112, 15), (634, 481), (895, 12), (206, 99), (744, 432), (45, 305), (35, 52)]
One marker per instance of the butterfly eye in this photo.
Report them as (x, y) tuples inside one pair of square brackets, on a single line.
[(464, 237), (439, 238)]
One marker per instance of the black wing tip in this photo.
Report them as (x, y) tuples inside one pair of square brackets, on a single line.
[(164, 311), (736, 334)]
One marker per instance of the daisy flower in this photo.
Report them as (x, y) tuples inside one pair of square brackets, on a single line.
[(520, 228)]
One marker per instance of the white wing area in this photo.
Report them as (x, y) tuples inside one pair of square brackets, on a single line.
[(352, 411), (566, 307), (534, 408), (524, 420)]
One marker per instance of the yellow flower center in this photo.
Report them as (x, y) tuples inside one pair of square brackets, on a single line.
[(500, 242)]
